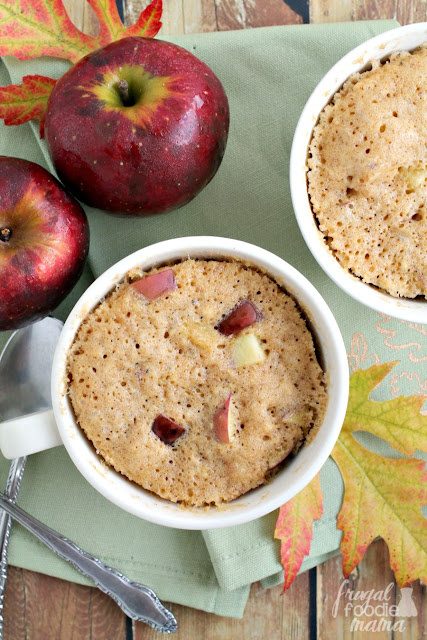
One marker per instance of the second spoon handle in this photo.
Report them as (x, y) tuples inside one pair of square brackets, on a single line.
[(12, 488), (136, 600)]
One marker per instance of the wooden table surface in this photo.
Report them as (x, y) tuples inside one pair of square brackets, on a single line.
[(39, 607)]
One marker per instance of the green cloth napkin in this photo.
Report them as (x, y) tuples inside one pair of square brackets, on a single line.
[(268, 74)]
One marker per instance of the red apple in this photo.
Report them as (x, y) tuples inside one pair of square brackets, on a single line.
[(153, 286), (244, 314), (137, 127), (224, 422), (166, 429), (44, 241)]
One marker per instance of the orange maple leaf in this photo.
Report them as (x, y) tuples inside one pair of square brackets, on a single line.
[(383, 496), (34, 28), (27, 101), (295, 528)]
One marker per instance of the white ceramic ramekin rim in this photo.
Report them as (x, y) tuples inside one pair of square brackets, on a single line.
[(298, 472), (399, 39)]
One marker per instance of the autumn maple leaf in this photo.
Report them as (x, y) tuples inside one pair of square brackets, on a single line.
[(27, 101), (35, 28), (383, 496), (295, 527)]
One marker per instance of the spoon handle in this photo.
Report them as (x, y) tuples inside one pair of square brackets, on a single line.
[(136, 600), (14, 478)]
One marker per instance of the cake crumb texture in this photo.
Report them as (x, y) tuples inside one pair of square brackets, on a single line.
[(134, 359), (367, 174)]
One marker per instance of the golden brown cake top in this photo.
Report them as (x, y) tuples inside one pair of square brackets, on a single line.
[(367, 176), (240, 401)]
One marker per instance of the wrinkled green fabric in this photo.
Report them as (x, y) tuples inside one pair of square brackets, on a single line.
[(268, 74)]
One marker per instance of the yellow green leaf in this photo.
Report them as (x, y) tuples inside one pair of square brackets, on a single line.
[(383, 497), (398, 421)]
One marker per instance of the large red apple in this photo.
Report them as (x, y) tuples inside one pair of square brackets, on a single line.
[(44, 240), (137, 127)]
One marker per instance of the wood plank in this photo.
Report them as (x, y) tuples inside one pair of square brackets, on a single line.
[(416, 627), (41, 607), (259, 13), (404, 11), (196, 16), (373, 573), (330, 11), (199, 16), (296, 611), (243, 14), (185, 16), (82, 15), (268, 615)]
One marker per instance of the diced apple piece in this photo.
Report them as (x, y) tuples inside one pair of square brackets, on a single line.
[(225, 422), (279, 457), (415, 176), (153, 286), (247, 349), (288, 447), (200, 334), (298, 415), (244, 314), (166, 429), (301, 417)]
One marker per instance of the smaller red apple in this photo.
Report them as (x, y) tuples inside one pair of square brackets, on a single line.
[(44, 241)]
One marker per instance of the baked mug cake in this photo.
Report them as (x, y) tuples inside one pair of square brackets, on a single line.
[(197, 380), (367, 174)]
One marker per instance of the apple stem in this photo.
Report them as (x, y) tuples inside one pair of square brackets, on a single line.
[(123, 89), (5, 234)]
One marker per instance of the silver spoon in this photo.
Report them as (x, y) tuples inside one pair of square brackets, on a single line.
[(25, 372), (25, 365), (136, 600)]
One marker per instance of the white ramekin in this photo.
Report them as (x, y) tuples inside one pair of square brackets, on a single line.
[(403, 38), (294, 476)]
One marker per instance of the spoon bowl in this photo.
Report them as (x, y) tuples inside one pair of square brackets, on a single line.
[(25, 366)]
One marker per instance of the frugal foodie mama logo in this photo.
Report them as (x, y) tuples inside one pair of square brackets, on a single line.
[(372, 610)]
